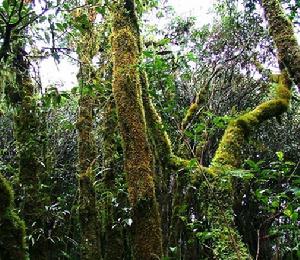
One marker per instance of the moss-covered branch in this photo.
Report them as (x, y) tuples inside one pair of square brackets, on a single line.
[(230, 147), (21, 96), (281, 30), (229, 156), (199, 102)]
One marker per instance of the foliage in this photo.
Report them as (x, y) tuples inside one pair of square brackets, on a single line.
[(201, 79)]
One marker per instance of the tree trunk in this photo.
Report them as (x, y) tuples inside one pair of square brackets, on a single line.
[(89, 224), (147, 238), (26, 131), (12, 229), (282, 32)]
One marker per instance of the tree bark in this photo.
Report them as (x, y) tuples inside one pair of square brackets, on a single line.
[(89, 224), (147, 238), (12, 228), (282, 32)]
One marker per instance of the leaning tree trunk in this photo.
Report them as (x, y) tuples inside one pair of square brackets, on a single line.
[(281, 30), (89, 224), (12, 228), (147, 238)]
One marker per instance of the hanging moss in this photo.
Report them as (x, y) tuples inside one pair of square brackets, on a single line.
[(281, 30), (12, 229), (131, 117)]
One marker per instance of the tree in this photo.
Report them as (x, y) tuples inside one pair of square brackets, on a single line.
[(127, 91), (12, 232), (206, 182), (87, 49), (282, 32)]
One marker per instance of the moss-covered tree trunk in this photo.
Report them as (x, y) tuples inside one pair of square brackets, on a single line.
[(114, 232), (12, 228), (89, 224), (147, 238), (282, 32), (26, 129)]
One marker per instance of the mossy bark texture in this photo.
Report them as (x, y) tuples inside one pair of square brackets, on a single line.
[(229, 150), (12, 228), (26, 129), (147, 241), (89, 225), (229, 157), (281, 30), (114, 234)]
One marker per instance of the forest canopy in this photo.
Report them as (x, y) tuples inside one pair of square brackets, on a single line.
[(178, 140)]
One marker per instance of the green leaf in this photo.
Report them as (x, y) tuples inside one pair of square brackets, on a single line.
[(275, 204), (243, 174), (148, 54), (199, 128), (294, 216), (280, 155), (253, 165), (287, 212), (5, 5)]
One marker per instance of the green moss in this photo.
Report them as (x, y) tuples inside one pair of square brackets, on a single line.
[(161, 140), (189, 115), (230, 147), (12, 229), (87, 48), (6, 194), (229, 156), (281, 30), (132, 122)]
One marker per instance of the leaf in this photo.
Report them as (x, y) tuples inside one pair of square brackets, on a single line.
[(243, 174), (294, 216), (148, 54), (287, 212), (5, 5), (275, 204), (280, 155), (173, 249), (199, 128), (164, 41), (253, 165)]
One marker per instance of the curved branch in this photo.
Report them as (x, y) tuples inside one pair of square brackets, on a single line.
[(230, 147)]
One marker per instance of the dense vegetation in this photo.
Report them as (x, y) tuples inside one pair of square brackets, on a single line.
[(178, 141)]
